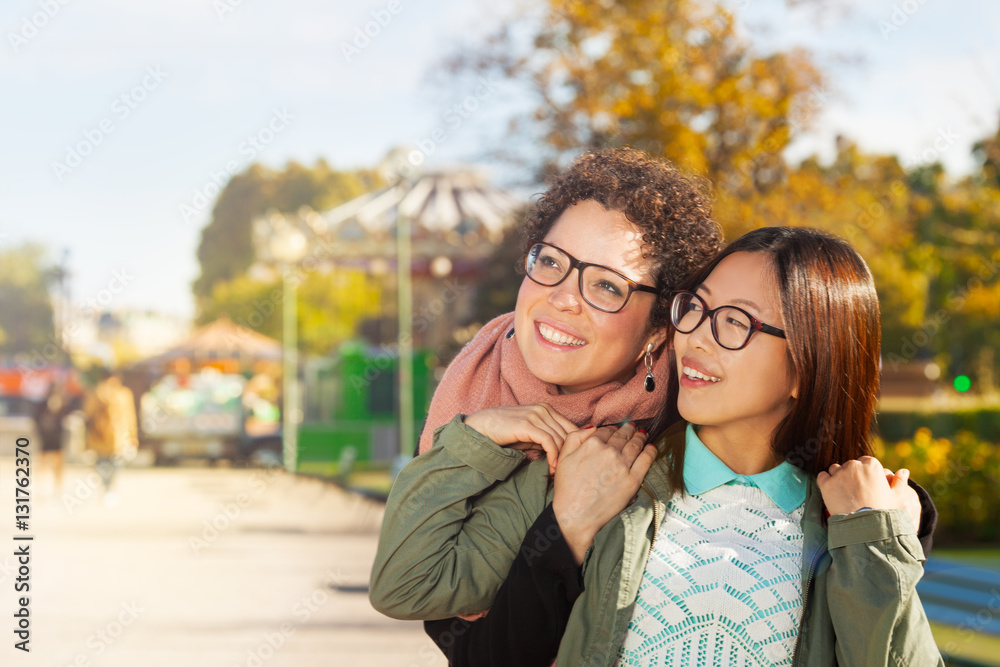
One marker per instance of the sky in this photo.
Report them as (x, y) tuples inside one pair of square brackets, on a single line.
[(119, 117)]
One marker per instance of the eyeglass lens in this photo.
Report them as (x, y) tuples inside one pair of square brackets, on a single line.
[(601, 288), (731, 327)]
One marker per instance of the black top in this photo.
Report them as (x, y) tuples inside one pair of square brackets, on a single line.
[(528, 617)]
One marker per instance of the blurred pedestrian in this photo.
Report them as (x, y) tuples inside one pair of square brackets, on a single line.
[(48, 415), (111, 428)]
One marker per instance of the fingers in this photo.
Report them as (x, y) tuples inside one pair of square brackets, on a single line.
[(621, 436), (575, 439), (473, 617), (552, 447), (828, 474), (866, 463), (627, 440), (552, 453), (566, 425), (538, 423), (601, 435), (556, 426), (643, 462), (549, 440), (633, 446)]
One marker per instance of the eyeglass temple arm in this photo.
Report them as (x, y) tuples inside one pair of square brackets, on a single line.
[(774, 331)]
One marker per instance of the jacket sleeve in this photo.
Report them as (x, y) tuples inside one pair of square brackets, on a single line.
[(529, 615), (450, 531), (877, 617)]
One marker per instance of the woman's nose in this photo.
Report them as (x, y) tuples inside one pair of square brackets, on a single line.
[(566, 295), (702, 337)]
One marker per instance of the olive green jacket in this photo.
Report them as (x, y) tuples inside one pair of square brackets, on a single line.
[(451, 532)]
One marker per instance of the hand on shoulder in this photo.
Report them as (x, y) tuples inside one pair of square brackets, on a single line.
[(599, 474), (533, 426), (864, 483)]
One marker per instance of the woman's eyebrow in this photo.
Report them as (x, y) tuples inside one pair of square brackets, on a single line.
[(734, 302), (748, 302)]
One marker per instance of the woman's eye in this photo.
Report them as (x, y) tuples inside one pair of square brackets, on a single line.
[(609, 287), (739, 324)]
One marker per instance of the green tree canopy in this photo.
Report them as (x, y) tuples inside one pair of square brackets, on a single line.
[(226, 249)]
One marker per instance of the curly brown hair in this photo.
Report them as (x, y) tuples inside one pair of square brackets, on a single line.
[(675, 217)]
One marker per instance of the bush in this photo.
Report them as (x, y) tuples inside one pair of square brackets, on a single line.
[(961, 473), (894, 426)]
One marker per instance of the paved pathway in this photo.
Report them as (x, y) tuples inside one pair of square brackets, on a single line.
[(200, 567)]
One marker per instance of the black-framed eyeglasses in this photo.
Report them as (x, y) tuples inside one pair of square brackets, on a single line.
[(732, 327), (603, 288)]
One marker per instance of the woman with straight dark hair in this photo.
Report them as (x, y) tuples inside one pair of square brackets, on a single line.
[(758, 530)]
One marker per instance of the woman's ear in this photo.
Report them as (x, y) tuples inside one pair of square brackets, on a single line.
[(657, 338)]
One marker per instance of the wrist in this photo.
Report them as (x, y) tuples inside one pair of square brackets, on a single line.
[(578, 545), (476, 422), (579, 535)]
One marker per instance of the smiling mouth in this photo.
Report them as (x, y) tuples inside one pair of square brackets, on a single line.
[(558, 337), (698, 375)]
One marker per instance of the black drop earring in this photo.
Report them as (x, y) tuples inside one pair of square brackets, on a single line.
[(650, 382)]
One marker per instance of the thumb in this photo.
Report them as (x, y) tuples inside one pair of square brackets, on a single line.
[(574, 440), (901, 478)]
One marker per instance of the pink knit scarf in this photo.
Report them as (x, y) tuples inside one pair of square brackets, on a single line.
[(490, 372)]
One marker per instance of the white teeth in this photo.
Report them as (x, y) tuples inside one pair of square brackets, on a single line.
[(698, 375), (559, 338)]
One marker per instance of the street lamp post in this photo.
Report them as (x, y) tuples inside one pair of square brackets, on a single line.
[(289, 247), (290, 368), (405, 296)]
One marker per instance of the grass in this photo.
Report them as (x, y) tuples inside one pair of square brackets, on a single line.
[(371, 480), (964, 644), (988, 557), (364, 475), (946, 403)]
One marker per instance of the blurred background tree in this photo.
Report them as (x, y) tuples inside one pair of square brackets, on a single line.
[(226, 250), (671, 78), (26, 315), (329, 304)]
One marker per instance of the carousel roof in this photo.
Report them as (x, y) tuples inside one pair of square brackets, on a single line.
[(436, 201), (451, 212)]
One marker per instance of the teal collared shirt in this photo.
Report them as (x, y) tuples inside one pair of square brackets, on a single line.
[(785, 484)]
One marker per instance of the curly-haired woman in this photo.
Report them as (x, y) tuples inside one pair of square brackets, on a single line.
[(572, 352)]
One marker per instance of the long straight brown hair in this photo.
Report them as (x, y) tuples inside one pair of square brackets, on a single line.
[(832, 323)]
